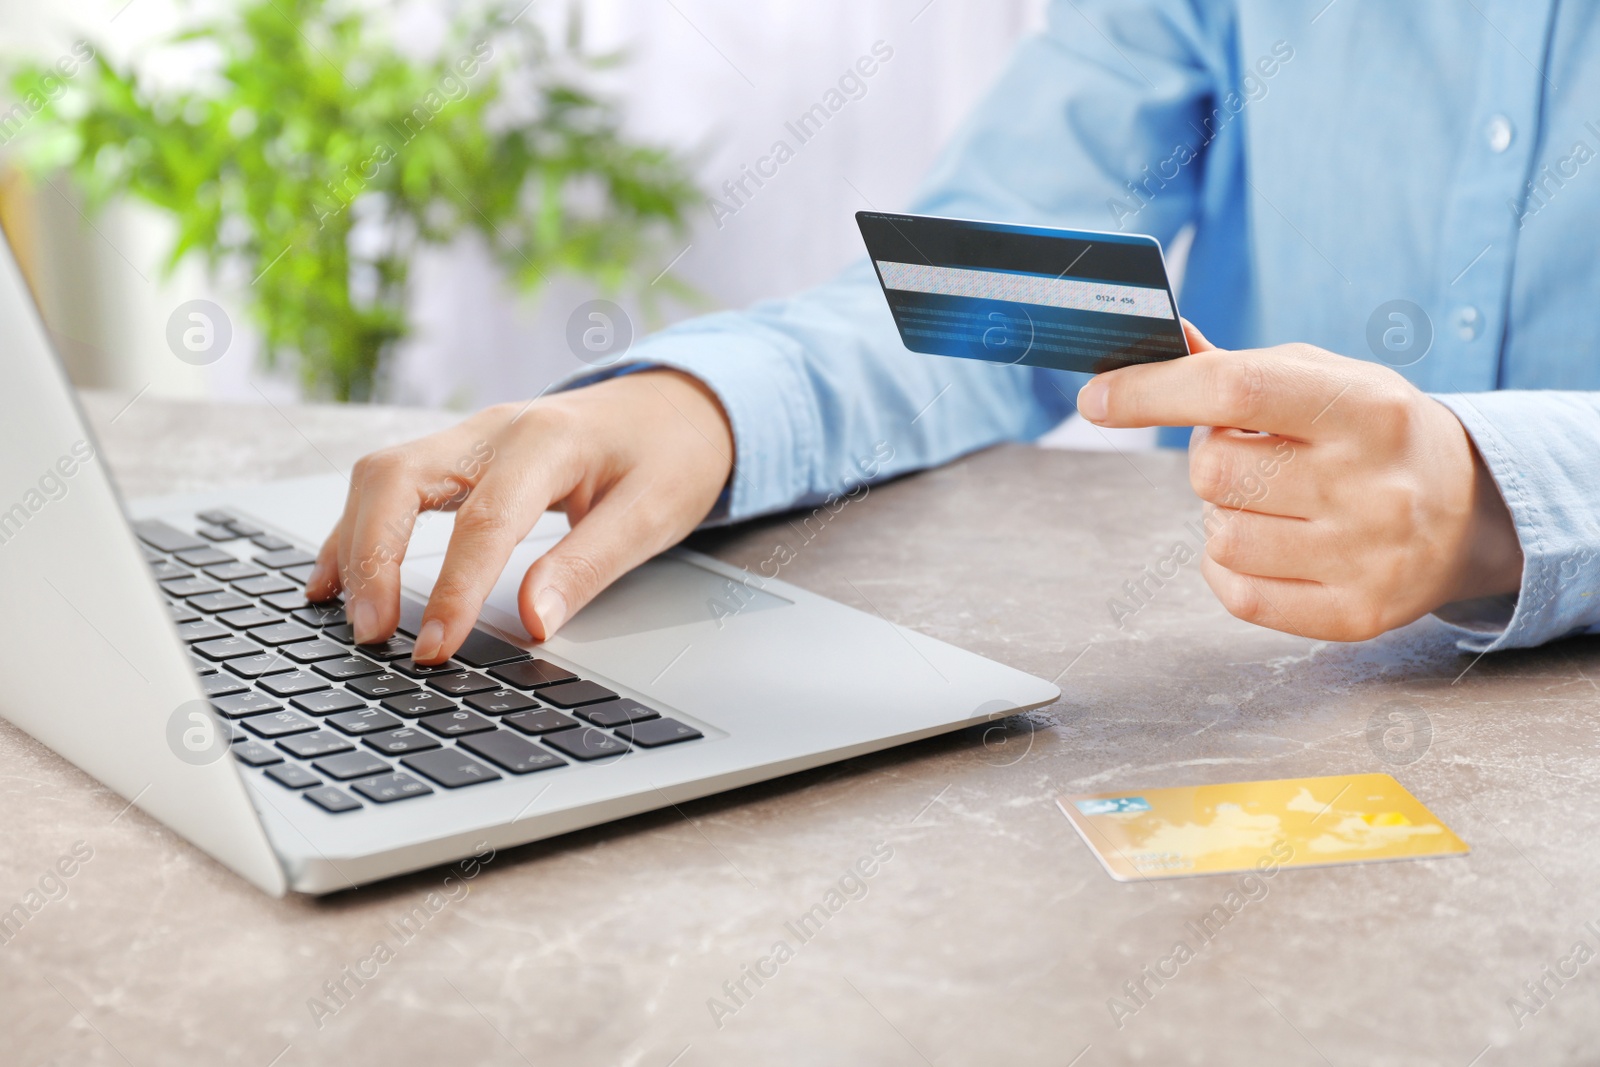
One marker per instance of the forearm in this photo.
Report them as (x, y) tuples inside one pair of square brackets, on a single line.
[(821, 395)]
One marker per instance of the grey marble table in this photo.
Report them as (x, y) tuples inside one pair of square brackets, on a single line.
[(989, 934)]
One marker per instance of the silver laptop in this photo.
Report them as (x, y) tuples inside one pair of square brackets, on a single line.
[(165, 648)]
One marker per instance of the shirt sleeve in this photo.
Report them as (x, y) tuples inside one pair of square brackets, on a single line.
[(1542, 449), (819, 389)]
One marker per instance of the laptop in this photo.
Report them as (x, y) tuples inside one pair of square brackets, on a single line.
[(164, 647)]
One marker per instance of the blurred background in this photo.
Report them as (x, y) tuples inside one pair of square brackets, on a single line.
[(713, 80)]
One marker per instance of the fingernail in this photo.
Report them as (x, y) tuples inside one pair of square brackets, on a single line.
[(551, 607), (1092, 400), (364, 618), (428, 641)]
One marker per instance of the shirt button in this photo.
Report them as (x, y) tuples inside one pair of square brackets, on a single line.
[(1498, 134), (1468, 322)]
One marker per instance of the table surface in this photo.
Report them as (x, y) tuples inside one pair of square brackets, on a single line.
[(990, 935)]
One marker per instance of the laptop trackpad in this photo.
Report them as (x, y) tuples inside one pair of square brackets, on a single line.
[(663, 593)]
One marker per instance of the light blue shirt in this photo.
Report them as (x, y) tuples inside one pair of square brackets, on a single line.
[(1332, 158)]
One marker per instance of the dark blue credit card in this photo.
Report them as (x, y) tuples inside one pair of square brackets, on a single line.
[(1067, 299)]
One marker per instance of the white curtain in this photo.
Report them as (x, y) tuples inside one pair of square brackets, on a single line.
[(720, 79)]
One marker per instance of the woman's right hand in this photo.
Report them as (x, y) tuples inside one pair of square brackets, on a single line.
[(636, 462)]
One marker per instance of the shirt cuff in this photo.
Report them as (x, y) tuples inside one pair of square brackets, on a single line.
[(762, 391), (1536, 613)]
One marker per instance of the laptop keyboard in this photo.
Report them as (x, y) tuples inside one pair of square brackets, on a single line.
[(348, 725)]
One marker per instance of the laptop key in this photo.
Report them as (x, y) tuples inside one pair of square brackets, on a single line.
[(260, 666), (158, 534), (292, 776), (364, 721), (234, 571), (188, 587), (352, 765), (227, 647), (394, 648), (269, 543), (332, 799), (342, 632), (279, 558), (283, 633), (150, 555), (463, 684), (533, 674), (204, 630), (449, 768), (214, 516), (267, 585), (278, 724), (499, 701), (217, 533), (482, 649), (255, 754), (405, 739), (319, 615), (166, 572), (205, 557), (412, 669), (390, 787), (617, 713), (509, 752), (221, 685), (387, 684), (218, 602), (347, 667), (575, 694), (543, 721), (238, 705), (456, 723), (313, 651), (586, 744), (412, 705), (300, 574), (245, 618), (182, 613), (312, 745), (241, 528), (327, 702), (654, 733), (293, 683)]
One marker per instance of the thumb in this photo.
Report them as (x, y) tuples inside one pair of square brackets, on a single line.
[(1197, 340), (604, 545)]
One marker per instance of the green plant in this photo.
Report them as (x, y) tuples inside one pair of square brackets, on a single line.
[(308, 125)]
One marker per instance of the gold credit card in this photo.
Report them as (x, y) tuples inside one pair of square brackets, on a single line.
[(1241, 826)]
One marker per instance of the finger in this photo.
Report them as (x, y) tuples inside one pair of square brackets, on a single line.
[(490, 522), (1270, 390), (323, 582), (1196, 340), (378, 538), (1253, 472), (327, 574), (395, 486), (1314, 610), (1290, 605), (620, 532), (1271, 546)]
